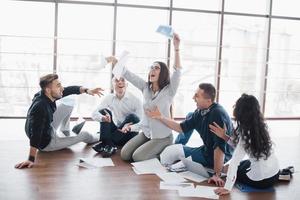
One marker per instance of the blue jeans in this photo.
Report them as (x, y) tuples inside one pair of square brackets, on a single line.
[(109, 132), (183, 138), (198, 155)]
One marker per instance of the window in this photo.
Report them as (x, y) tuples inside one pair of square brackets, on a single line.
[(198, 4), (82, 40), (286, 8), (247, 6), (283, 92), (140, 39), (242, 58), (198, 55), (26, 52)]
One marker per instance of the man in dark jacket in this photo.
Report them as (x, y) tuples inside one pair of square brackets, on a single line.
[(44, 118)]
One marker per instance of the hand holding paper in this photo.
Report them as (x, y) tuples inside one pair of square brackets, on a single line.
[(119, 67)]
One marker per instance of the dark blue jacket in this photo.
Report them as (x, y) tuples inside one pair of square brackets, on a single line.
[(40, 116)]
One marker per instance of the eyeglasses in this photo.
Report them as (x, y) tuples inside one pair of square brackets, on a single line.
[(154, 67)]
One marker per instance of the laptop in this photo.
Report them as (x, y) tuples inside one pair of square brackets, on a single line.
[(194, 167)]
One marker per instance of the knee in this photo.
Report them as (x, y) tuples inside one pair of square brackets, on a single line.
[(138, 156), (125, 154), (171, 154)]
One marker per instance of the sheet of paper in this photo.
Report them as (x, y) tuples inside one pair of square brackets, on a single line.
[(174, 186), (86, 165), (166, 31), (171, 177), (206, 191), (136, 171), (151, 166), (68, 100), (192, 176), (97, 162), (119, 67), (199, 191)]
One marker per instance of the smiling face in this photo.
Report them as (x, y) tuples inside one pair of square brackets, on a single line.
[(55, 89), (154, 73), (120, 86), (202, 101)]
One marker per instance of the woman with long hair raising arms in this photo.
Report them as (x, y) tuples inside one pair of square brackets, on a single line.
[(158, 91)]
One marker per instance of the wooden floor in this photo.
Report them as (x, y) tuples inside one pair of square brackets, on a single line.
[(57, 176)]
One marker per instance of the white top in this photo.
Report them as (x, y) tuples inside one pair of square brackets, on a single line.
[(120, 108), (152, 128), (259, 169)]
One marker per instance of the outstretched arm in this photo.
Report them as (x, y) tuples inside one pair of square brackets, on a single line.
[(172, 124)]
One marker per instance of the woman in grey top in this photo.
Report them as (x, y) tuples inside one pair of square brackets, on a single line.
[(158, 91)]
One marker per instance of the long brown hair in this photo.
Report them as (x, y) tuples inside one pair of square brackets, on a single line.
[(164, 76)]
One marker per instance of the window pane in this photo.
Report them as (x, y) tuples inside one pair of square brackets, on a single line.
[(140, 39), (247, 6), (101, 1), (26, 52), (198, 54), (198, 4), (146, 2), (242, 58), (80, 45), (286, 8), (283, 92)]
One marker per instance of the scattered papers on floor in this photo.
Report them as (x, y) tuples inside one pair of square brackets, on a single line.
[(91, 163), (199, 191), (192, 176), (151, 166), (171, 177), (174, 186)]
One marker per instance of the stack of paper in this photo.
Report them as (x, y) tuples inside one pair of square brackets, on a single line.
[(91, 163), (151, 166), (199, 191)]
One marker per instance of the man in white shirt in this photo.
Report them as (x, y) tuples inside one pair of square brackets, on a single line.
[(113, 113)]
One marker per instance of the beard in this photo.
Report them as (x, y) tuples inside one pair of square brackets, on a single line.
[(56, 95)]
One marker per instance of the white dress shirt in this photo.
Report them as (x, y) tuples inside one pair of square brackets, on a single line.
[(259, 169), (120, 108)]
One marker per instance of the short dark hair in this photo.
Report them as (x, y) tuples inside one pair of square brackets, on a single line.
[(47, 79), (209, 91), (164, 75)]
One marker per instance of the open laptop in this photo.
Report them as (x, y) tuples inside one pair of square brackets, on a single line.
[(194, 167)]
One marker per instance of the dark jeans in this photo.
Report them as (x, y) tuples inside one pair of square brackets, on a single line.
[(109, 133), (183, 138), (242, 177)]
